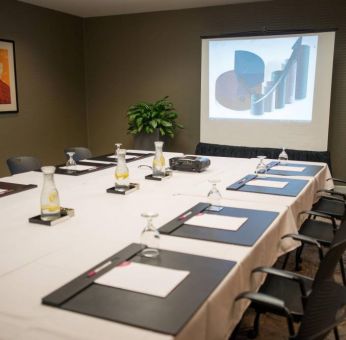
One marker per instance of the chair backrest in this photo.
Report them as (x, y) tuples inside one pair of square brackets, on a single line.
[(80, 152), (325, 309), (20, 164), (330, 260)]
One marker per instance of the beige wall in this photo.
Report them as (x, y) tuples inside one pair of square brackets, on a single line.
[(147, 56), (130, 58), (50, 80)]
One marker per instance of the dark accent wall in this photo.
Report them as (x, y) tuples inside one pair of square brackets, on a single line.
[(50, 80), (147, 56)]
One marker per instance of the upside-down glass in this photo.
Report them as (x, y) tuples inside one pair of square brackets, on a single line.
[(283, 156), (121, 171), (261, 167), (214, 194), (50, 203), (150, 237), (70, 162), (117, 147)]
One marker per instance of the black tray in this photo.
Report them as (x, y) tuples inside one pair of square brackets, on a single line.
[(14, 188), (257, 223), (165, 315), (124, 191), (292, 189), (310, 169)]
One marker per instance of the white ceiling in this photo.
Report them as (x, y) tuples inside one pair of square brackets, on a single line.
[(95, 8)]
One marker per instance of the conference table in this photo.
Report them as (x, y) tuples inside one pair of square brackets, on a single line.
[(36, 260)]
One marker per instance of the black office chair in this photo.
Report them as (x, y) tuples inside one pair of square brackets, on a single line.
[(313, 230), (331, 202), (325, 309), (20, 164), (80, 153), (285, 291)]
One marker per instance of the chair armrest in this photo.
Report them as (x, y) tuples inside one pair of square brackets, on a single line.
[(285, 274), (316, 213), (336, 180), (322, 215), (273, 304), (332, 198), (333, 192), (304, 239)]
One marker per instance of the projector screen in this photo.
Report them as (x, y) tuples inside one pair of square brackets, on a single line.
[(267, 91)]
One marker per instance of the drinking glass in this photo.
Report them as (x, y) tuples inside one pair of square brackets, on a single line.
[(214, 194), (117, 148), (150, 236), (283, 156), (261, 167), (70, 162)]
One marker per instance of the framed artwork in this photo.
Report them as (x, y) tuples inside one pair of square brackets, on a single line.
[(8, 82)]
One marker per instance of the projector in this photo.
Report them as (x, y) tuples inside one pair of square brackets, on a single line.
[(189, 163)]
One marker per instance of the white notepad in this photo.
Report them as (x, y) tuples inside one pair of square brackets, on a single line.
[(143, 278), (126, 156), (95, 161), (78, 167), (2, 191), (217, 221), (270, 184), (289, 168)]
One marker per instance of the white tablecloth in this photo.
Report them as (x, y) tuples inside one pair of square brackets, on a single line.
[(35, 260)]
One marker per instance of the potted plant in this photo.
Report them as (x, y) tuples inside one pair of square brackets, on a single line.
[(148, 121)]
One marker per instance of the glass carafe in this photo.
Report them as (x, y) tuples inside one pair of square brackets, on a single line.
[(121, 171), (50, 203), (159, 163), (150, 237)]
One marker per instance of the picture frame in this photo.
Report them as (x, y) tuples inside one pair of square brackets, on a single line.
[(8, 78)]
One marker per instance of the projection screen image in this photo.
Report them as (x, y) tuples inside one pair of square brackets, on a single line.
[(262, 78)]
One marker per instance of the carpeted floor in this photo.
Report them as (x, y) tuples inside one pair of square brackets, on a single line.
[(275, 327)]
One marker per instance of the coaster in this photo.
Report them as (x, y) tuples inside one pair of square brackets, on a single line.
[(159, 178), (66, 213), (124, 191)]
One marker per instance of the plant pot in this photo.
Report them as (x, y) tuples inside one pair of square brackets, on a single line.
[(145, 141)]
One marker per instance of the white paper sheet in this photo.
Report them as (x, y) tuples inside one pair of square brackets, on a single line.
[(2, 191), (126, 156), (78, 167), (95, 161), (289, 168), (217, 221), (270, 184), (143, 278), (144, 152)]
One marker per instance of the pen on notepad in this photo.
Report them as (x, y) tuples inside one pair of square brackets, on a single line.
[(185, 215), (96, 270)]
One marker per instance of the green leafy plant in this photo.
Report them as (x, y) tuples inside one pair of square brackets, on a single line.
[(147, 117)]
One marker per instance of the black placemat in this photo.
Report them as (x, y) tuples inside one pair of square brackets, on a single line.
[(134, 157), (309, 169), (165, 315), (96, 167), (256, 224), (293, 187), (14, 188)]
